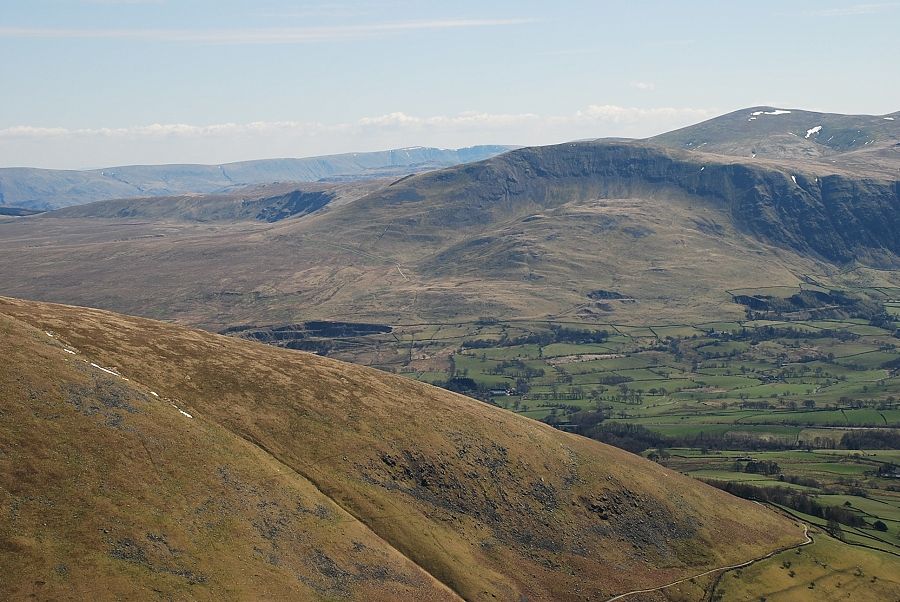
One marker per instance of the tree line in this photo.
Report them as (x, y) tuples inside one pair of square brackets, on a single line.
[(791, 498)]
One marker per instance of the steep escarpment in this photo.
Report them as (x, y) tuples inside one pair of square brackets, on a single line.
[(833, 215), (140, 456)]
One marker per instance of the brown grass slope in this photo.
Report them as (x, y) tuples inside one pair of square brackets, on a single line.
[(298, 476), (107, 492)]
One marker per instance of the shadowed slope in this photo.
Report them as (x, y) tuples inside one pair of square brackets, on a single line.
[(493, 505)]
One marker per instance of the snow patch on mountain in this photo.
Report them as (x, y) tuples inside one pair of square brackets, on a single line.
[(775, 112)]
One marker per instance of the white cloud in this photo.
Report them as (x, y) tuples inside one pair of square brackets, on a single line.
[(592, 114), (466, 119), (633, 115), (223, 142), (271, 35), (157, 130), (646, 86)]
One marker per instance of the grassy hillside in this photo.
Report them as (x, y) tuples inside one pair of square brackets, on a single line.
[(142, 457), (825, 570)]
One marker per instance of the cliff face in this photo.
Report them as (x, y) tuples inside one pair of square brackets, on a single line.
[(834, 216)]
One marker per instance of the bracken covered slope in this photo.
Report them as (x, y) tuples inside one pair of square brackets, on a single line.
[(143, 460)]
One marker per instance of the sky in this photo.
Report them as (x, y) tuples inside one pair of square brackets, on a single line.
[(92, 83)]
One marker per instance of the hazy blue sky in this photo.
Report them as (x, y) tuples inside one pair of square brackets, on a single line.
[(98, 82)]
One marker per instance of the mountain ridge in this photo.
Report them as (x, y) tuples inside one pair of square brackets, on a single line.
[(34, 188), (779, 133)]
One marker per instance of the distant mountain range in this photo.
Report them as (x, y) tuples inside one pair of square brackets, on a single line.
[(529, 233), (32, 188)]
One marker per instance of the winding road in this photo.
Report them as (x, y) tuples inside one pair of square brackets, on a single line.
[(715, 570)]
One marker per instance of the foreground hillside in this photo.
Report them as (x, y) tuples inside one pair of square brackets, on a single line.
[(53, 188), (142, 459)]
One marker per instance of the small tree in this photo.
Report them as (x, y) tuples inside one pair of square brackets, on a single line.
[(835, 529), (659, 454)]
